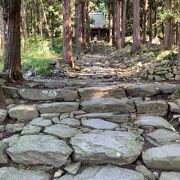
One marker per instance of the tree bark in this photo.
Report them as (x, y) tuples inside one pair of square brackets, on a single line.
[(136, 25), (124, 8), (145, 20), (67, 42), (168, 27), (24, 26), (150, 24), (88, 29), (118, 24), (79, 27), (14, 40), (110, 23)]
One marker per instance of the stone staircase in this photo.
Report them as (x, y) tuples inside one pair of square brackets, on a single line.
[(115, 132)]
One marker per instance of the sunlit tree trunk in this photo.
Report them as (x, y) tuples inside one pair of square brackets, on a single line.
[(14, 40), (67, 42), (168, 27), (136, 25), (4, 31), (79, 27), (145, 20)]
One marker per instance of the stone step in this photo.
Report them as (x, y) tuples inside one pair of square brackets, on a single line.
[(115, 147), (108, 105)]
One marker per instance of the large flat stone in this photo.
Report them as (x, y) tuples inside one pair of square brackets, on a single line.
[(99, 124), (101, 92), (108, 105), (10, 173), (105, 173), (62, 131), (58, 107), (23, 112), (40, 149), (114, 147), (166, 157), (156, 108), (162, 137), (170, 176), (142, 90), (41, 122), (155, 121), (112, 117), (48, 94)]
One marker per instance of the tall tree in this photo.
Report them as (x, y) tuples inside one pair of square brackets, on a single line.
[(67, 42), (79, 27), (124, 9), (145, 20), (136, 25), (118, 24), (168, 26), (14, 40), (24, 25)]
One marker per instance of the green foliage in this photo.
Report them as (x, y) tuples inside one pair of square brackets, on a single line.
[(168, 15), (167, 55)]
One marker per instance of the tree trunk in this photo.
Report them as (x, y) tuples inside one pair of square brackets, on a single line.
[(110, 23), (24, 26), (124, 8), (4, 31), (118, 24), (84, 33), (155, 22), (14, 40), (114, 23), (79, 27), (150, 24), (88, 29), (67, 42), (136, 25), (168, 27), (145, 20), (2, 102)]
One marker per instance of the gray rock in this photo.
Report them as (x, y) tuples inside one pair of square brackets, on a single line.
[(11, 140), (73, 168), (2, 128), (142, 90), (70, 122), (170, 176), (41, 122), (105, 173), (99, 124), (3, 155), (10, 173), (100, 147), (108, 105), (3, 115), (113, 117), (162, 137), (23, 112), (62, 131), (48, 94), (101, 92), (166, 157), (156, 108), (40, 149), (13, 128), (58, 107), (29, 129), (155, 121), (147, 173), (175, 108), (50, 116)]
